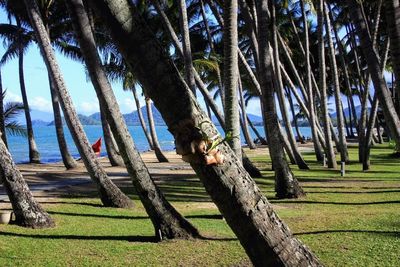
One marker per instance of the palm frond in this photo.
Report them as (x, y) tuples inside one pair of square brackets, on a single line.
[(12, 110), (14, 128)]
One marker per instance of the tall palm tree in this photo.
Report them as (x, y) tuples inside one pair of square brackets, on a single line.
[(245, 208), (231, 73), (311, 93), (330, 153), (2, 123), (167, 221), (109, 193), (372, 59), (34, 156)]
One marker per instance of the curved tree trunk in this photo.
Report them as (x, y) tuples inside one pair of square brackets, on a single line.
[(344, 154), (112, 150), (317, 145), (110, 194), (231, 72), (286, 185), (391, 117), (299, 160), (68, 160), (266, 239), (187, 52), (167, 222), (330, 153), (260, 138), (393, 22), (2, 123), (243, 118), (141, 119), (34, 156), (156, 145), (294, 117), (28, 212)]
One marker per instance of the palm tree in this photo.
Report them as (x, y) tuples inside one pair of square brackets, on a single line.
[(317, 146), (167, 222), (372, 59), (245, 208), (393, 22), (109, 194), (2, 124), (231, 75), (330, 153)]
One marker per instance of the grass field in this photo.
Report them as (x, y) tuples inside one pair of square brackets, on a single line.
[(347, 221)]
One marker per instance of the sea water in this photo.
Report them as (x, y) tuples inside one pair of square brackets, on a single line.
[(46, 140)]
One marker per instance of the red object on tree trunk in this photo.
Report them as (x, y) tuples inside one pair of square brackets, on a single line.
[(97, 147)]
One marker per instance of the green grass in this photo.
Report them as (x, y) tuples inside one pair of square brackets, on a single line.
[(347, 221)]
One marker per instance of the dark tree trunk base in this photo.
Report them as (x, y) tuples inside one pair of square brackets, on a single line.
[(160, 155), (40, 220)]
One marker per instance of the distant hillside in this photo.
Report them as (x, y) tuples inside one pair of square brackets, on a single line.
[(132, 119), (85, 120)]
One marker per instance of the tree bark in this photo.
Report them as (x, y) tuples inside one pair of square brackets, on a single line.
[(34, 155), (68, 160), (299, 160), (110, 194), (243, 119), (344, 154), (266, 239), (141, 119), (156, 145), (187, 52), (391, 117), (317, 146), (231, 72), (28, 212), (112, 151), (330, 153), (2, 123), (392, 8)]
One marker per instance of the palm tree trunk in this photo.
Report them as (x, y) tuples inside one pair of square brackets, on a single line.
[(260, 138), (238, 198), (243, 118), (231, 73), (344, 154), (299, 160), (141, 119), (28, 212), (112, 151), (317, 146), (167, 222), (109, 194), (183, 21), (393, 22), (34, 156), (294, 117), (286, 185), (391, 117), (67, 159), (2, 124), (330, 154), (157, 149)]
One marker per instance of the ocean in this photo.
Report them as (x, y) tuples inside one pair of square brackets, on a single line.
[(46, 140)]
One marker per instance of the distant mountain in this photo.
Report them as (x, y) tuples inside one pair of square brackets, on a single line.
[(85, 120), (40, 118)]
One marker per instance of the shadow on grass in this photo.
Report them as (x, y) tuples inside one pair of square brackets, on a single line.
[(393, 233), (334, 203), (353, 192), (130, 238), (99, 215)]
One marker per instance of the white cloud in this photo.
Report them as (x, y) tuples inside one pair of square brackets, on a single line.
[(41, 104), (11, 97), (89, 107), (254, 107), (127, 105)]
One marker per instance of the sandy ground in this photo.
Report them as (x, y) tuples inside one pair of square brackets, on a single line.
[(50, 181)]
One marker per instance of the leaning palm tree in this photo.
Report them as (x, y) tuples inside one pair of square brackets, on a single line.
[(167, 221), (266, 239), (109, 193)]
